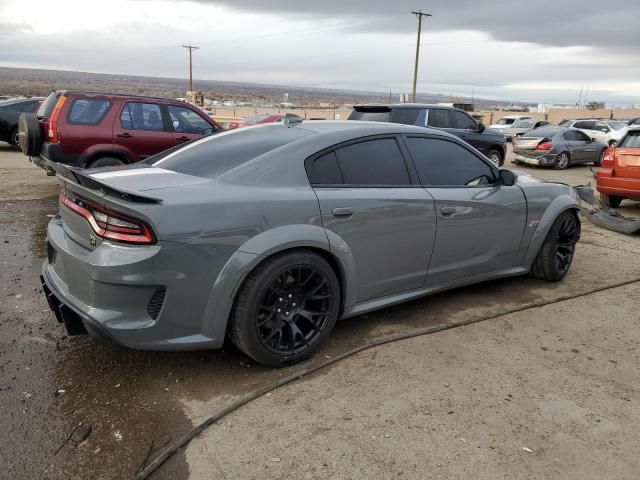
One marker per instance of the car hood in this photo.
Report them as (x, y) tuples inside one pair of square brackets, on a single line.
[(523, 178)]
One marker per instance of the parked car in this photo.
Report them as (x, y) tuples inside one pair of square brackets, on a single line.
[(619, 177), (557, 147), (607, 131), (267, 235), (88, 130), (508, 121), (522, 126), (262, 118), (10, 110), (448, 119)]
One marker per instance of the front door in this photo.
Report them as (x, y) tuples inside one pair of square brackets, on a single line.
[(376, 213), (187, 124), (581, 147), (479, 223), (142, 130)]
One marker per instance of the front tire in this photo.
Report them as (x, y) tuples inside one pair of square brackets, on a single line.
[(495, 157), (285, 309), (611, 201), (554, 258), (562, 161), (14, 139)]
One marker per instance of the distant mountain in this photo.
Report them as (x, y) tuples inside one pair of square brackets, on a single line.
[(28, 81)]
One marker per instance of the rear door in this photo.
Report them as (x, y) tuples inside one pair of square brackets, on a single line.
[(187, 124), (142, 129), (480, 223), (580, 146), (377, 211)]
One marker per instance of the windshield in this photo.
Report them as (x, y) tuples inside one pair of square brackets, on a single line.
[(617, 125), (256, 118), (523, 124), (565, 123)]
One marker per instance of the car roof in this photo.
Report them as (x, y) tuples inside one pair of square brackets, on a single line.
[(404, 105), (120, 95)]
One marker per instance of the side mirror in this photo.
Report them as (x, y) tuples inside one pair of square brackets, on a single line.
[(506, 178), (481, 127), (207, 131), (593, 139), (605, 130)]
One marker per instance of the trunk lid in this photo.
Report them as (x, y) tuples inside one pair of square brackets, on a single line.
[(627, 162), (527, 143)]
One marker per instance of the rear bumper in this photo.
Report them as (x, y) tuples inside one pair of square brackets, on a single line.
[(53, 152), (111, 292), (617, 186), (541, 160)]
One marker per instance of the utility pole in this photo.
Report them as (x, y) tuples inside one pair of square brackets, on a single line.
[(420, 14), (191, 48)]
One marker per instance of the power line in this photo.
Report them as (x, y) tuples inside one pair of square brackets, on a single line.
[(420, 14), (191, 48)]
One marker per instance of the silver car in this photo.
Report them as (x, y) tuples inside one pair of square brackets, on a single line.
[(267, 235), (523, 126), (557, 147)]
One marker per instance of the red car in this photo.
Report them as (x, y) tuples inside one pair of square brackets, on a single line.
[(619, 177), (89, 130), (262, 118)]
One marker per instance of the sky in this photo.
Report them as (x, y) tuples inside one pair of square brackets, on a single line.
[(542, 51)]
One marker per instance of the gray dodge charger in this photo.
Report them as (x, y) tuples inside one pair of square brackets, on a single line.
[(267, 235)]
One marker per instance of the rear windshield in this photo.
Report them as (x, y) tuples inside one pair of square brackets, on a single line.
[(404, 116), (632, 140), (565, 123), (48, 104), (617, 125), (212, 156), (505, 121), (256, 118), (524, 123), (542, 133)]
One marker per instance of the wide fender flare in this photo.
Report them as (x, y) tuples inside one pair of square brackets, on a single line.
[(262, 246), (560, 204)]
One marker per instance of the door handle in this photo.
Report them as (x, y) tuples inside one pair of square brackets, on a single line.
[(182, 139), (124, 135), (448, 211), (343, 212)]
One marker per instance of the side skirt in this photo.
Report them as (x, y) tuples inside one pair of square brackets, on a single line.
[(371, 305)]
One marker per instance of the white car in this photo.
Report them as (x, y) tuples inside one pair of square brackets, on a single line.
[(508, 121), (607, 131)]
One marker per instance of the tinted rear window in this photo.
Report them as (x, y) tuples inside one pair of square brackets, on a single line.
[(374, 162), (213, 156), (88, 111), (632, 140), (371, 114), (48, 104), (542, 133)]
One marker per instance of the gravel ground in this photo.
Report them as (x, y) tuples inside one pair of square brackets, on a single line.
[(129, 403)]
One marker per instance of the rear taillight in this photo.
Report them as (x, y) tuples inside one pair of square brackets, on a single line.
[(609, 158), (109, 224), (544, 146), (53, 134)]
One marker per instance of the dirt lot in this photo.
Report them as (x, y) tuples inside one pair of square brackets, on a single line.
[(560, 380)]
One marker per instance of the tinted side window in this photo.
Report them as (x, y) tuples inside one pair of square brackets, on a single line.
[(185, 120), (582, 137), (584, 125), (439, 117), (440, 162), (374, 162), (463, 121), (28, 106), (601, 126), (324, 170), (88, 111), (142, 116), (405, 116), (570, 136)]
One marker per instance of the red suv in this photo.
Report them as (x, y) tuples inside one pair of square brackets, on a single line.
[(88, 130)]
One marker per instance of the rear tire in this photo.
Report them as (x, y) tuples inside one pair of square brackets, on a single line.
[(285, 309), (562, 161), (105, 162), (555, 257), (611, 201), (30, 136)]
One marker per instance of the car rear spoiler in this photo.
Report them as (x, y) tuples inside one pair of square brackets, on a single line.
[(79, 176)]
